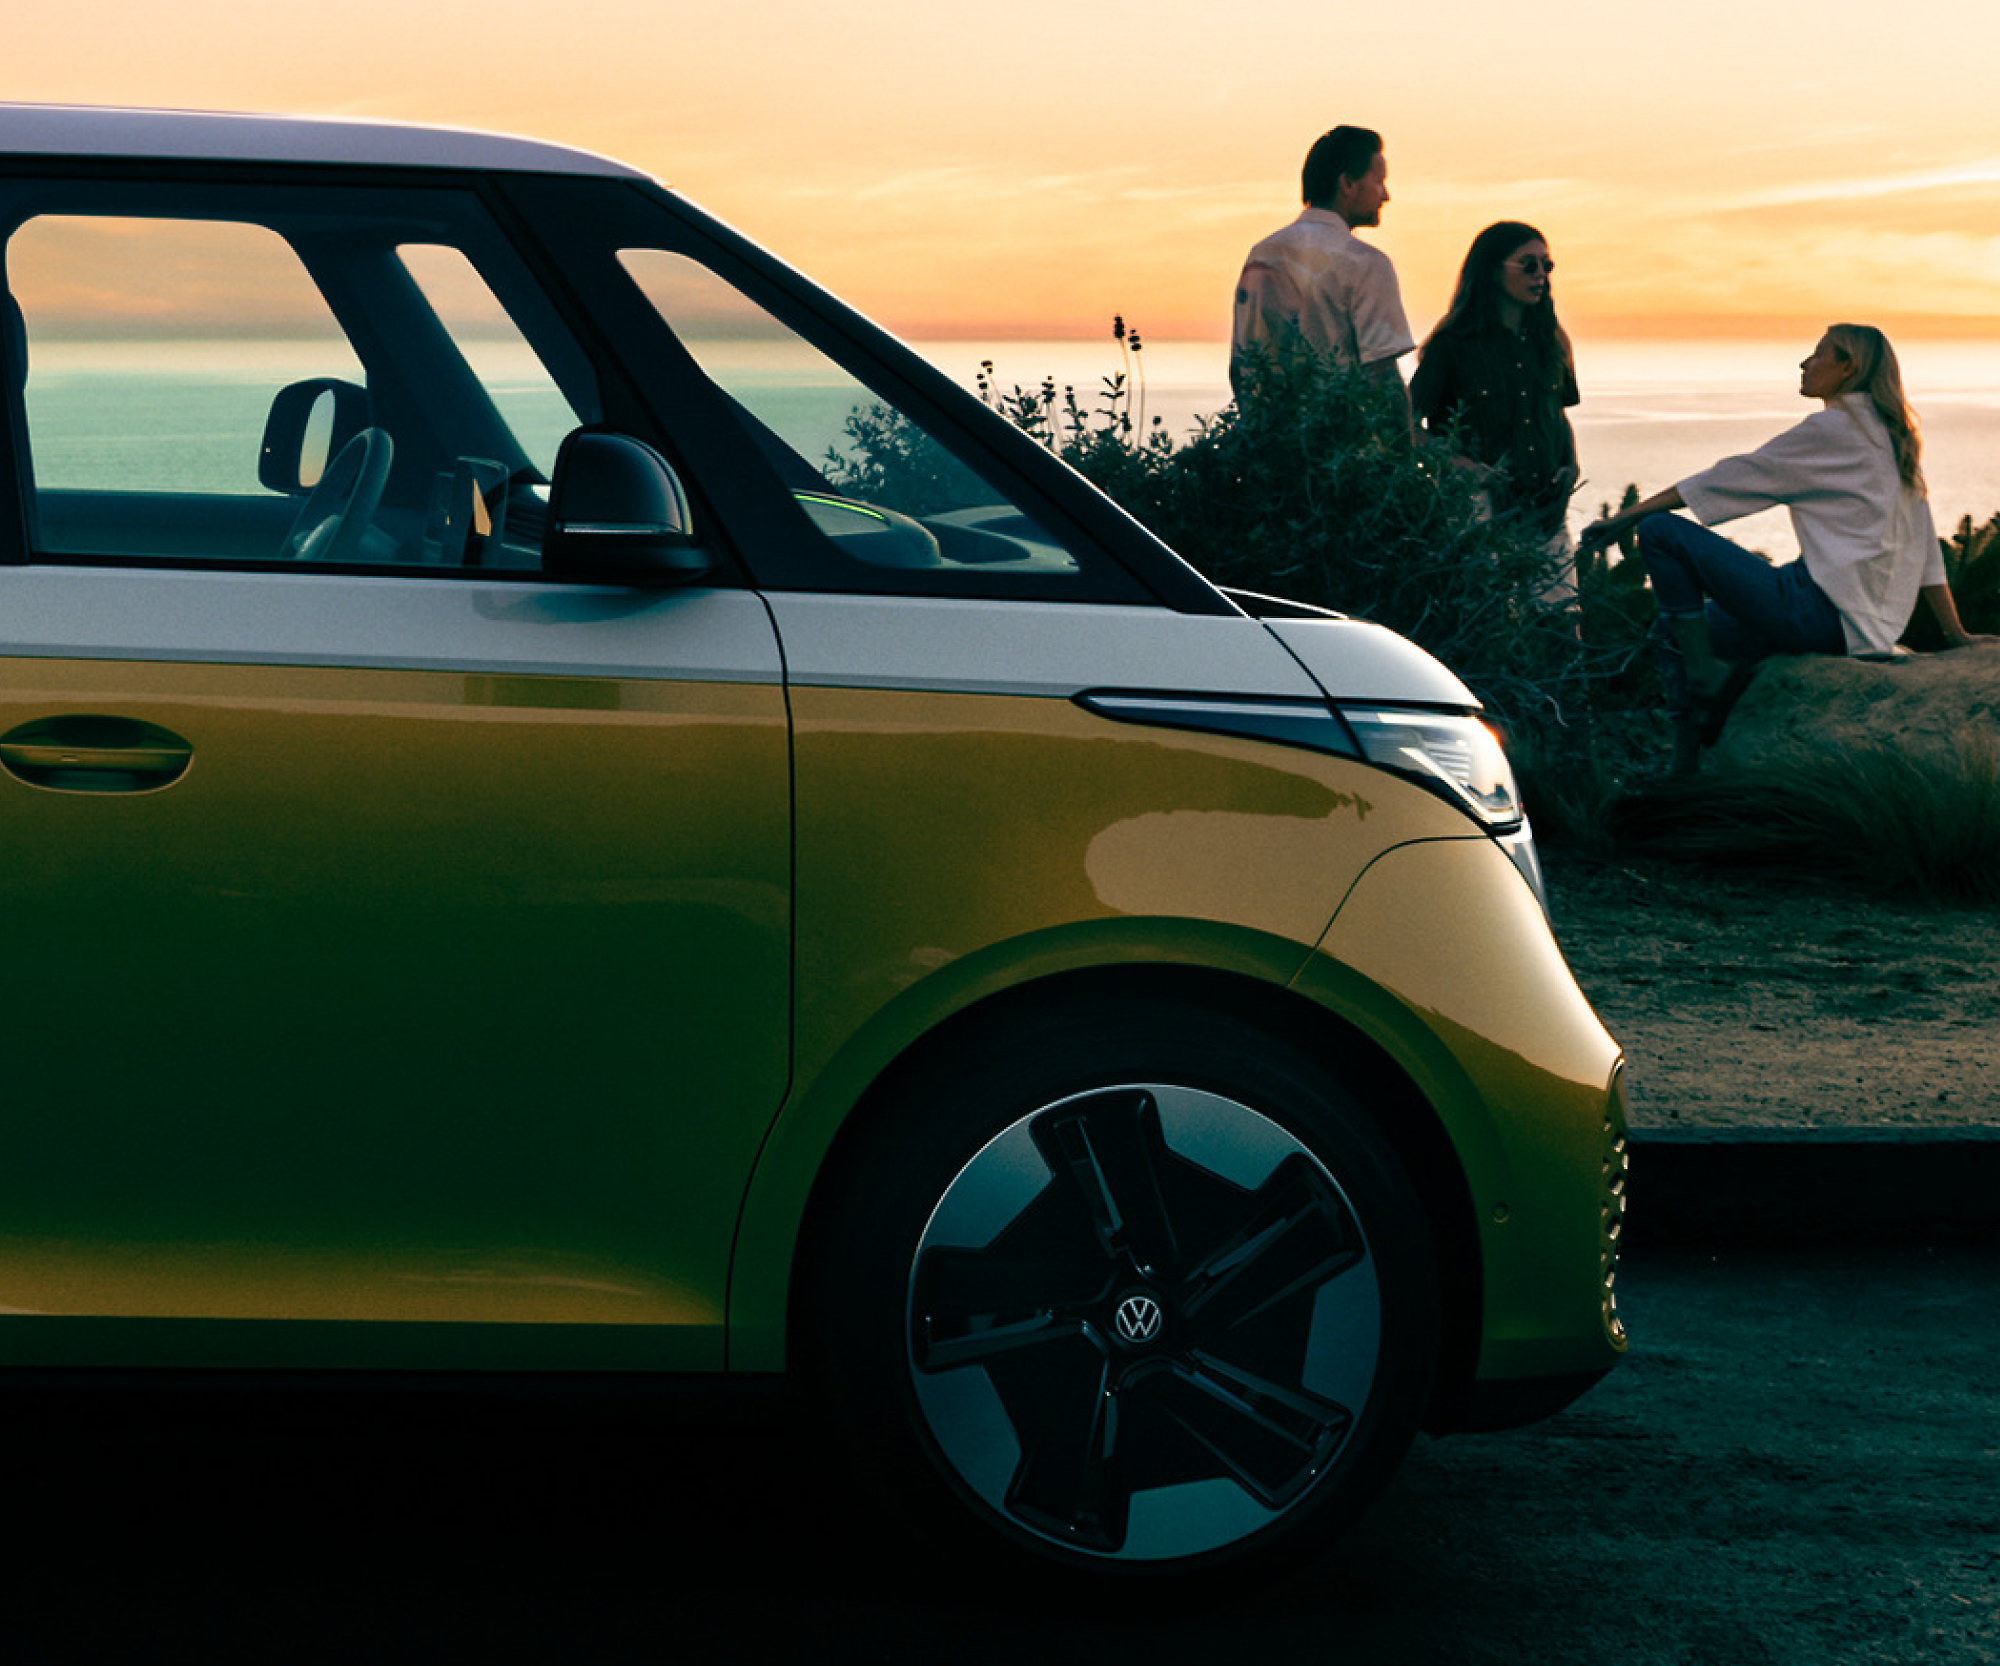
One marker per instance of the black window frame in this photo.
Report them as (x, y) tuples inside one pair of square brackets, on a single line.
[(271, 196), (585, 225), (567, 232)]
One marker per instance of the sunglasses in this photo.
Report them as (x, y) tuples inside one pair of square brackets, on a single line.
[(1533, 265)]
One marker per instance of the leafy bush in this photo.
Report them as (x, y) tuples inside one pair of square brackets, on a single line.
[(891, 461), (1972, 563), (1309, 487)]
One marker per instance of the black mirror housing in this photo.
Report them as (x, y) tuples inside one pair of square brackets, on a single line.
[(618, 514)]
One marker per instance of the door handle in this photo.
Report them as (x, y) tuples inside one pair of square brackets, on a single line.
[(95, 754)]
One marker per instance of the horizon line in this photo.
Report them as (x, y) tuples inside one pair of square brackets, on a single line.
[(1609, 326)]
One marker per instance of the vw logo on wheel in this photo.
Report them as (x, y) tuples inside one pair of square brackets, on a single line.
[(1138, 1319)]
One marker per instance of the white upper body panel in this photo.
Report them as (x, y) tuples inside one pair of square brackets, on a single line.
[(191, 135), (475, 623), (1355, 659), (1055, 649), (1050, 649)]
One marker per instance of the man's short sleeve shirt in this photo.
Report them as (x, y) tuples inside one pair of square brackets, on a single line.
[(1340, 292)]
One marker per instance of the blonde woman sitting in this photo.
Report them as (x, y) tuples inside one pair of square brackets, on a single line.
[(1849, 475)]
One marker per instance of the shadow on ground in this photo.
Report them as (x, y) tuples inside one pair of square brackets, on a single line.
[(1798, 1463)]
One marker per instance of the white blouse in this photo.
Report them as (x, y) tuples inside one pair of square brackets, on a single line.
[(1867, 539)]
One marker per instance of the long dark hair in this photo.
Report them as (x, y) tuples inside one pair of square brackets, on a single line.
[(1475, 303)]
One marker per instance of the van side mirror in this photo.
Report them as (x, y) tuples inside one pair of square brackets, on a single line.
[(309, 423), (618, 514)]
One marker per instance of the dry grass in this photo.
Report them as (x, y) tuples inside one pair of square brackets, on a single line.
[(1916, 823)]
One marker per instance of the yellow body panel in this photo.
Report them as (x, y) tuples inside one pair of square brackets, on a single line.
[(953, 846), (1471, 997), (515, 1051), (497, 968)]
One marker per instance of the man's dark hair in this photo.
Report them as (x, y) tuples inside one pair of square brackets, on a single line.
[(1345, 153)]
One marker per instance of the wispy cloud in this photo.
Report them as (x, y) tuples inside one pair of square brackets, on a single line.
[(1550, 187), (987, 181), (1985, 171)]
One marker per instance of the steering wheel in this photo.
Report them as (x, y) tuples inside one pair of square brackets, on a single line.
[(330, 523)]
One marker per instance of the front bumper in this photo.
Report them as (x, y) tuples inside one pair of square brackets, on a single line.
[(1471, 997)]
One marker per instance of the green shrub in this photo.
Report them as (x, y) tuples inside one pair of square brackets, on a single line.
[(1308, 487), (1972, 563)]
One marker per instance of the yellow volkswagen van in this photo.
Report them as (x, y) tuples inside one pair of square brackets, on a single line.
[(570, 804)]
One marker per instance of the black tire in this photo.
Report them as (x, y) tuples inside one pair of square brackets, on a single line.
[(1135, 1287)]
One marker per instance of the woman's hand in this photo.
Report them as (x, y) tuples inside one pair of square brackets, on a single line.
[(1613, 527), (1595, 536), (1944, 610)]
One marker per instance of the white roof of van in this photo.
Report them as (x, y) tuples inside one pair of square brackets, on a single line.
[(63, 130)]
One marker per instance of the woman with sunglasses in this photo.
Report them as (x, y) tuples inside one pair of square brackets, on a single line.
[(1850, 477), (1497, 375)]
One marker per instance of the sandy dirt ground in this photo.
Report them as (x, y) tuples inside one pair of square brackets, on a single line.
[(1752, 999)]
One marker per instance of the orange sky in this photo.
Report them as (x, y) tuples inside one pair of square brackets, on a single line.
[(1735, 166)]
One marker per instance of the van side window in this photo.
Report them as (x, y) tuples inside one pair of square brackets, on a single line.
[(870, 475), (301, 380)]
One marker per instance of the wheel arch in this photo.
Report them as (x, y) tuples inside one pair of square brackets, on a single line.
[(1394, 1103)]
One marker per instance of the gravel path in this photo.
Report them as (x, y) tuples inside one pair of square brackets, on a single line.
[(1760, 1000)]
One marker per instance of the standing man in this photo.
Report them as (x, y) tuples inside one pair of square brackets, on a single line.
[(1316, 276)]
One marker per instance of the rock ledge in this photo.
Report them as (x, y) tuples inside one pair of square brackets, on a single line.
[(1946, 705)]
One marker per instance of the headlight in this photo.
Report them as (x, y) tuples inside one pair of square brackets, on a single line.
[(1454, 755), (1450, 753)]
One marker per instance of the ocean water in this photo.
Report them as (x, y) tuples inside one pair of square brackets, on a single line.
[(1653, 412), (188, 415)]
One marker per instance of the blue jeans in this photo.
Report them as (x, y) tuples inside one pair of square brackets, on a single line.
[(1753, 608)]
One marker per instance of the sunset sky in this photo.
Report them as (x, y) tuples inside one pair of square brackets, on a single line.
[(1736, 167)]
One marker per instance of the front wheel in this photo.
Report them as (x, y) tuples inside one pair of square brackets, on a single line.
[(1140, 1289)]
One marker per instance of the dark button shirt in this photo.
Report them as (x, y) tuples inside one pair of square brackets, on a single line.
[(1509, 408)]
